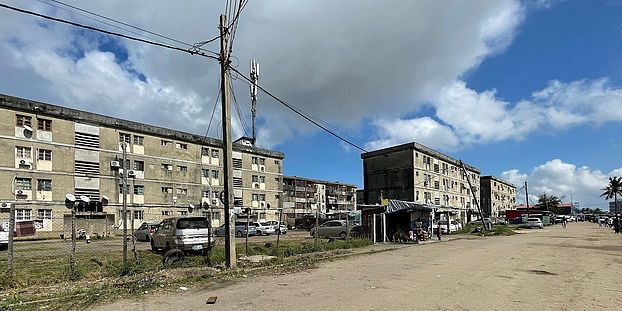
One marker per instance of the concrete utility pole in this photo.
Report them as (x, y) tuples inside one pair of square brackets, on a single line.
[(479, 211), (124, 208), (527, 198), (254, 78), (230, 255), (10, 242)]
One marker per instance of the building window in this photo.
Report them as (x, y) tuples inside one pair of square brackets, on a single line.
[(262, 197), (183, 213), (44, 124), (205, 152), (262, 161), (262, 179), (23, 184), (165, 166), (23, 152), (165, 143), (215, 194), (166, 190), (214, 153), (182, 190), (276, 162), (139, 190), (254, 160), (215, 215), (139, 140), (181, 146), (182, 168), (205, 193), (139, 165), (215, 174), (167, 213), (205, 173), (255, 178), (21, 120), (44, 185), (44, 155), (23, 214), (139, 215), (125, 138), (255, 197), (44, 214), (127, 188)]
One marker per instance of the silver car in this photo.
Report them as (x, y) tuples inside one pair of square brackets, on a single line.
[(331, 229), (184, 233), (145, 231)]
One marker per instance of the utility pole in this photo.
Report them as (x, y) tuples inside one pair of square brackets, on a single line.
[(527, 198), (230, 255), (254, 78), (464, 171), (124, 208)]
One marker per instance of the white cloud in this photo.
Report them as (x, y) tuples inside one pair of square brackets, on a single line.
[(423, 130), (337, 61), (564, 180)]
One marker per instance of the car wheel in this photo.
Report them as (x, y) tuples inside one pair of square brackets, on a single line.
[(259, 233), (342, 235), (239, 234)]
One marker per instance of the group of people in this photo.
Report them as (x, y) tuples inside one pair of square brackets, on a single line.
[(611, 222)]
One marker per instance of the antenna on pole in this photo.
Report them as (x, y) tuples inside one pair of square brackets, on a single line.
[(254, 78)]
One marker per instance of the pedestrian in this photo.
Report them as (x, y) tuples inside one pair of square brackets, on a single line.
[(616, 224), (438, 231), (564, 222), (600, 223)]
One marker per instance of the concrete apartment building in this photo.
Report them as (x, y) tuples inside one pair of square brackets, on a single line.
[(303, 195), (496, 196), (416, 173), (615, 207), (50, 151)]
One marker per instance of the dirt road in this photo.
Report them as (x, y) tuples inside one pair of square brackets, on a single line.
[(578, 268)]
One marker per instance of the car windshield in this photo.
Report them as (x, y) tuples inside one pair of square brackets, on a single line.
[(192, 223), (533, 219), (264, 223)]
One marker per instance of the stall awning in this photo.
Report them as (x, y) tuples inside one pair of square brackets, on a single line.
[(397, 205)]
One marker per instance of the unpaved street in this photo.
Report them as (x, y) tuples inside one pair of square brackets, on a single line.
[(578, 268)]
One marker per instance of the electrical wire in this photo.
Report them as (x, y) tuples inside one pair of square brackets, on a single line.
[(209, 125), (106, 31), (298, 112), (122, 23), (238, 110)]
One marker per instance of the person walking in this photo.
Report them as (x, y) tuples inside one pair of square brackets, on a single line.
[(564, 222), (438, 231), (616, 224)]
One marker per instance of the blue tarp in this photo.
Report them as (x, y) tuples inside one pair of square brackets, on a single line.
[(397, 205)]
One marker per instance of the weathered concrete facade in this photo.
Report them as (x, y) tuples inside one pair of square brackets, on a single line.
[(416, 173), (303, 195), (497, 196), (50, 151)]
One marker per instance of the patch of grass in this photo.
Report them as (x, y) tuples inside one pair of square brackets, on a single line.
[(496, 231)]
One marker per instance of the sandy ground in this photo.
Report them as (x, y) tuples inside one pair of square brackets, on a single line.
[(578, 268)]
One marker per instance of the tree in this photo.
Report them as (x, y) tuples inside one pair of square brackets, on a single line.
[(613, 189), (548, 202)]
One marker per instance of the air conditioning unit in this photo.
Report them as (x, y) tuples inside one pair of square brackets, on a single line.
[(262, 204), (131, 173), (170, 167), (20, 192), (255, 185), (25, 162), (115, 164), (262, 168), (214, 201)]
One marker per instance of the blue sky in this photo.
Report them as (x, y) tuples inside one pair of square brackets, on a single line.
[(524, 90)]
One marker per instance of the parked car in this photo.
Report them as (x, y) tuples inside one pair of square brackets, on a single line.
[(264, 228), (4, 238), (457, 224), (487, 221), (145, 231), (184, 233), (443, 223), (240, 229), (534, 223), (332, 228), (277, 228)]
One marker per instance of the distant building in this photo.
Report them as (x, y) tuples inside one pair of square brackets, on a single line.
[(303, 195), (615, 207), (496, 196), (49, 151), (415, 173)]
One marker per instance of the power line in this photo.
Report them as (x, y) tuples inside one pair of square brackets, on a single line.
[(238, 110), (108, 32), (123, 23), (209, 125), (298, 112)]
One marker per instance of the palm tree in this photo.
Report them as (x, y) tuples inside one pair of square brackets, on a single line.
[(549, 202), (613, 189)]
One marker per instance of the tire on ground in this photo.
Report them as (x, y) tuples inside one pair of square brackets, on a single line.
[(172, 256)]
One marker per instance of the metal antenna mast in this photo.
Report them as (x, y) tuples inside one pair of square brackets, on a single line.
[(254, 78)]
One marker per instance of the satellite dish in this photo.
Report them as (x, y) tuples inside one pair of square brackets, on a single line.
[(70, 197), (28, 128), (85, 199), (190, 208)]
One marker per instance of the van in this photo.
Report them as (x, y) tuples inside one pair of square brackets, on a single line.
[(184, 233)]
